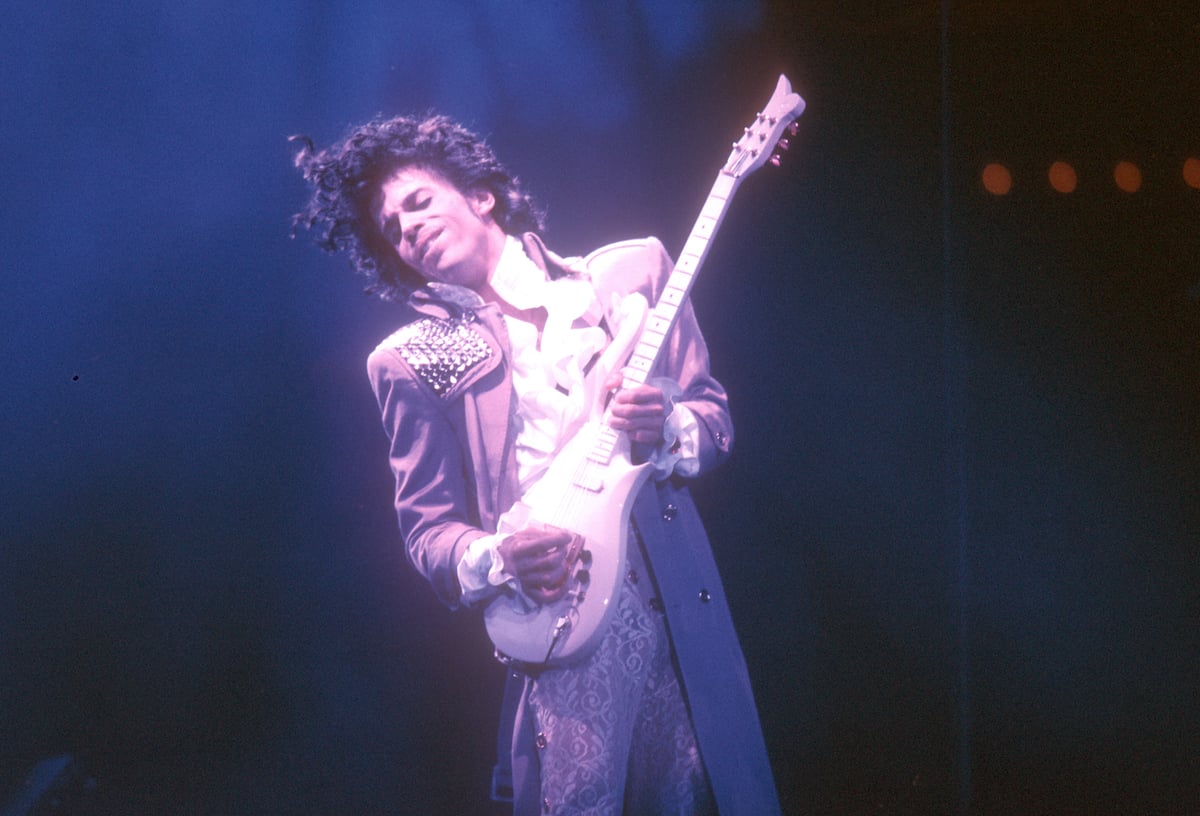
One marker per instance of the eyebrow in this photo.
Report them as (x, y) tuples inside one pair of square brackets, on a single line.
[(406, 203)]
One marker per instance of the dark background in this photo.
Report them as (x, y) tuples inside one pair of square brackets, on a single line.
[(959, 533)]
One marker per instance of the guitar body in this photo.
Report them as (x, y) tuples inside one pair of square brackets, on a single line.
[(592, 500)]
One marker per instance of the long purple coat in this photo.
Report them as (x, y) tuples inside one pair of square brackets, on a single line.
[(447, 403)]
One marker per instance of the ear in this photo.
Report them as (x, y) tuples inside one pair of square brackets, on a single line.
[(482, 201)]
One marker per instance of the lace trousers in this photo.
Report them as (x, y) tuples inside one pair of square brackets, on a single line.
[(613, 734)]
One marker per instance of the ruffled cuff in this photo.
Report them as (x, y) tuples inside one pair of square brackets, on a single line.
[(481, 568), (679, 451)]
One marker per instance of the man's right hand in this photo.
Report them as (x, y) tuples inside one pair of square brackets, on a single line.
[(537, 558)]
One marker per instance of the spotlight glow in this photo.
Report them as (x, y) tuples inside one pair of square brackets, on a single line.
[(1191, 173), (1128, 177), (996, 179), (1063, 177)]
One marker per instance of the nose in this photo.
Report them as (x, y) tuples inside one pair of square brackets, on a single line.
[(410, 230)]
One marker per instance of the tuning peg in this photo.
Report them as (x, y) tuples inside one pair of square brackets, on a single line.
[(774, 160), (793, 128), (782, 144)]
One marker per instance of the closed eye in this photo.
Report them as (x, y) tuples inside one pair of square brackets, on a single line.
[(416, 201)]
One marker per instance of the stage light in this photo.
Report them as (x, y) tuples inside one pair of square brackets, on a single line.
[(1062, 177), (996, 179), (1128, 177), (1191, 173)]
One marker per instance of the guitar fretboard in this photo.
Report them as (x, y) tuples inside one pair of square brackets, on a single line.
[(749, 153), (665, 314), (662, 318)]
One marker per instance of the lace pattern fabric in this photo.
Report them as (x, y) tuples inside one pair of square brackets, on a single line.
[(623, 702)]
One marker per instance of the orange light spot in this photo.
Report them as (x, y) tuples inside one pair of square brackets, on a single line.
[(1191, 172), (1062, 177), (996, 179), (1128, 177)]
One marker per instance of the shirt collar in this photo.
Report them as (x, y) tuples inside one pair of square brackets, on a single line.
[(517, 279)]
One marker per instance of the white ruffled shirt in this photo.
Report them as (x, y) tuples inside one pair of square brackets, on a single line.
[(555, 398)]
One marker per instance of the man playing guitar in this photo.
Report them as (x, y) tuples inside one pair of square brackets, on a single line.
[(628, 691)]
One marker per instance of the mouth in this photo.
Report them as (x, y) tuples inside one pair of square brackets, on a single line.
[(426, 243)]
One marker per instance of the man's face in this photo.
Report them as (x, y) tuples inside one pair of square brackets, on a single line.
[(440, 232)]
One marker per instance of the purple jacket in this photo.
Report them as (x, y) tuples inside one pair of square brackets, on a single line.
[(447, 403)]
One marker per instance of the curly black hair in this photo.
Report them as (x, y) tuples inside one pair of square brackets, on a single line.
[(346, 179)]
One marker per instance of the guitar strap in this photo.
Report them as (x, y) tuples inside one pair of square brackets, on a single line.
[(502, 772), (587, 369), (603, 324)]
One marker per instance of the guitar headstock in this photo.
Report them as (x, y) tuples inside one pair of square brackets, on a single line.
[(766, 136)]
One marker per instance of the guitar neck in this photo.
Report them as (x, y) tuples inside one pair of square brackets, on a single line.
[(661, 320), (752, 151)]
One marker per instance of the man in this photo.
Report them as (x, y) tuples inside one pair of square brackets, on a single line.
[(491, 373)]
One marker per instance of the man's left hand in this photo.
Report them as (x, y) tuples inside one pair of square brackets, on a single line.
[(640, 411)]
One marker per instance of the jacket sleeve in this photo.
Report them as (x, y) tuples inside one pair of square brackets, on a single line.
[(644, 266), (432, 484)]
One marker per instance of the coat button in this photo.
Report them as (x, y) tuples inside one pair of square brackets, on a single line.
[(721, 438), (540, 740), (656, 604), (705, 597), (633, 576), (670, 512)]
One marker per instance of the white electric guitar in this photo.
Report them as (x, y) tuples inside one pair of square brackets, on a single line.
[(590, 486)]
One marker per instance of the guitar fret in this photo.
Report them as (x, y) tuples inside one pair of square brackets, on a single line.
[(680, 281), (653, 338), (695, 246), (713, 207), (646, 350), (639, 363), (601, 453), (673, 296)]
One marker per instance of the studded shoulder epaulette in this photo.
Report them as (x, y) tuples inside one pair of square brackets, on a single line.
[(441, 351)]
